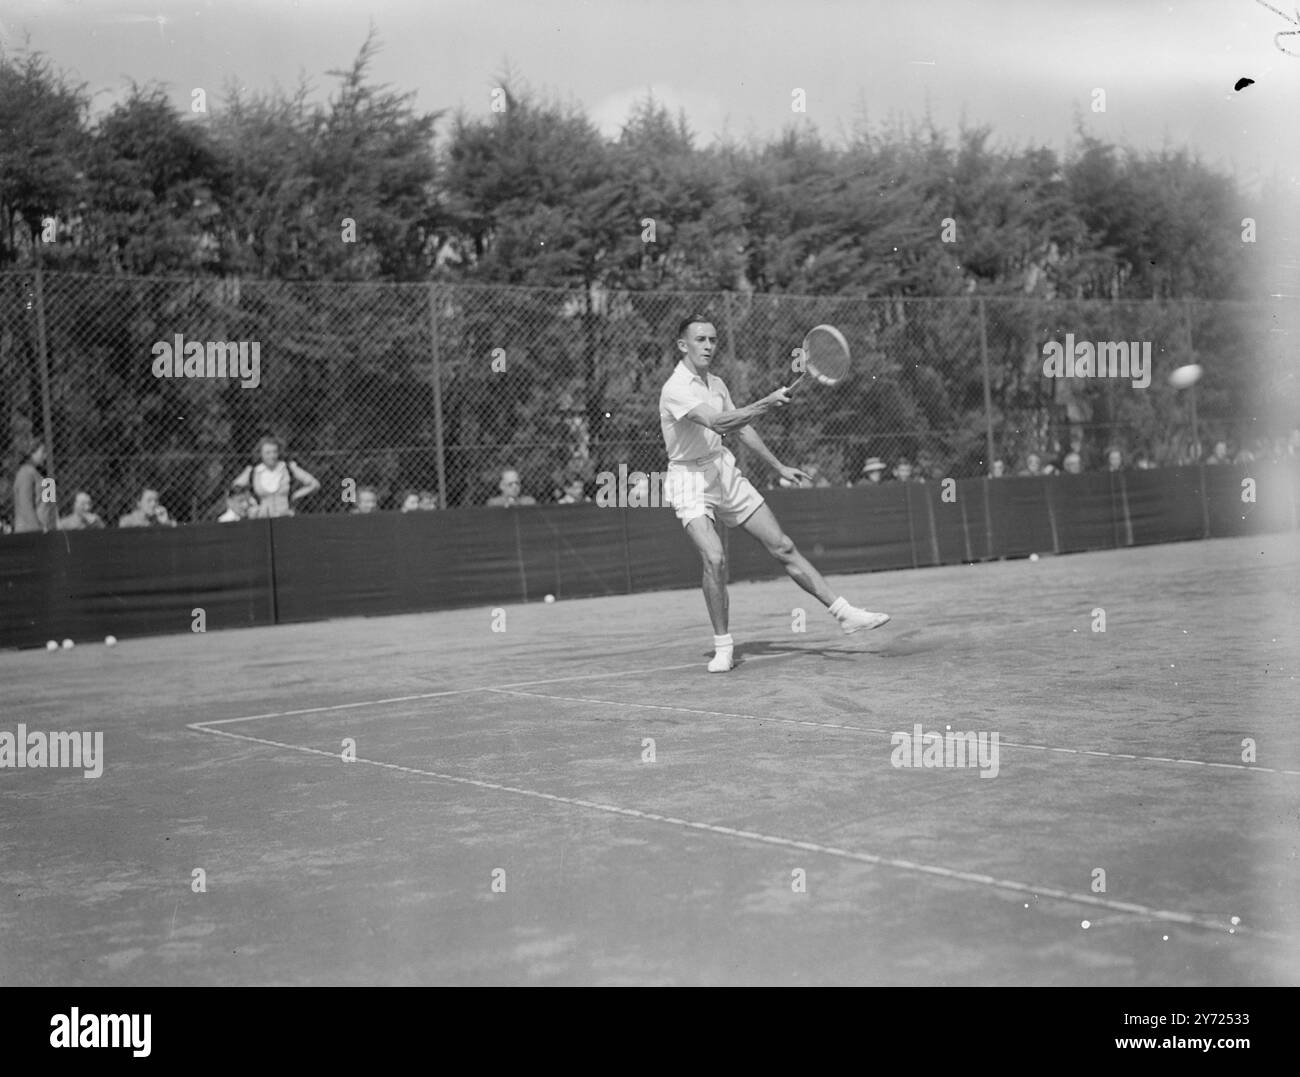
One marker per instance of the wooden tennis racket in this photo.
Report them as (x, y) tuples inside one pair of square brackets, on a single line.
[(826, 356)]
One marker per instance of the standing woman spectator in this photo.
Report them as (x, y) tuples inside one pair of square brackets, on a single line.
[(270, 481), (30, 512)]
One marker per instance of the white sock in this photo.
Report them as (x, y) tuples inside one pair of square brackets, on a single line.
[(721, 661), (837, 608)]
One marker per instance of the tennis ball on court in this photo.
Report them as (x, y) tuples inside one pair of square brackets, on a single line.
[(1033, 557), (67, 645), (549, 598), (110, 641), (51, 645)]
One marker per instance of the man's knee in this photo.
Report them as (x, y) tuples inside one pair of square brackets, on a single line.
[(715, 562), (782, 548)]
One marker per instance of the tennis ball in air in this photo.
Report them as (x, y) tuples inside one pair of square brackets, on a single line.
[(1184, 377)]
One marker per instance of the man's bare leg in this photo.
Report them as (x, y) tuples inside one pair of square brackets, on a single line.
[(763, 525), (704, 533)]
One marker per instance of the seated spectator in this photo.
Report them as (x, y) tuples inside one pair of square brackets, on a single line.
[(925, 467), (1033, 465), (31, 511), (81, 518), (367, 501), (410, 501), (1073, 463), (237, 506), (874, 469), (428, 501), (574, 491), (270, 480), (147, 513), (904, 472), (997, 470), (1219, 455), (1143, 462), (1259, 448), (1114, 460), (510, 495)]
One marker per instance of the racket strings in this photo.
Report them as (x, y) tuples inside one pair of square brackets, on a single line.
[(826, 354)]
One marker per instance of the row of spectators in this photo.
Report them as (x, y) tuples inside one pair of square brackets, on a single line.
[(270, 487), (876, 470), (273, 486)]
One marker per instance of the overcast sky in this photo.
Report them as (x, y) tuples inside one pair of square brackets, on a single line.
[(1027, 67)]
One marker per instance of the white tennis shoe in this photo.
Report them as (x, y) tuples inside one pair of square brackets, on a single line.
[(722, 663), (856, 620)]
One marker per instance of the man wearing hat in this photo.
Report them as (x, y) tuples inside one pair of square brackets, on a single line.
[(874, 470)]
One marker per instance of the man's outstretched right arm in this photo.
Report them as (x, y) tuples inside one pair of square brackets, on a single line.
[(728, 422)]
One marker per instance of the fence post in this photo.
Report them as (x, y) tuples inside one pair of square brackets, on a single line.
[(729, 325), (738, 378), (1191, 392), (436, 355), (988, 391), (43, 363)]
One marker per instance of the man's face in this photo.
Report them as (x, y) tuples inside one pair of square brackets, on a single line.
[(366, 501), (82, 504), (902, 471), (270, 453), (698, 345), (999, 469), (574, 490), (1034, 463), (428, 501), (510, 483), (874, 476), (1220, 448), (1114, 460), (149, 502), (238, 503), (1073, 464), (38, 455)]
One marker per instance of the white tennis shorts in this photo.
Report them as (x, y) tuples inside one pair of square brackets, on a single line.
[(714, 488)]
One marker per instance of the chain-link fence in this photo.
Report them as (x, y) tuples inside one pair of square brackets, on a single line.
[(404, 388)]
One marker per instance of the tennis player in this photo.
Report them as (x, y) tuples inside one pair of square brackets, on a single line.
[(705, 486)]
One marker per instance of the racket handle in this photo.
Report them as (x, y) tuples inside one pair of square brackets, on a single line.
[(790, 388)]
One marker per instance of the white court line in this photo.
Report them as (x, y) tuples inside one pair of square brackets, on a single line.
[(1144, 911), (465, 691), (889, 732)]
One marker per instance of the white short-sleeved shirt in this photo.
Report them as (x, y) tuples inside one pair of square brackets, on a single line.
[(683, 392)]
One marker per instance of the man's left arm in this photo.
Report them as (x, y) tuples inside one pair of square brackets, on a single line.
[(749, 436)]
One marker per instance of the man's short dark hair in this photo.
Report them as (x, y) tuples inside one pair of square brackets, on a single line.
[(689, 321)]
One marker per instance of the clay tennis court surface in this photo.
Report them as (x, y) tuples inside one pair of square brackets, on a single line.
[(521, 756)]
